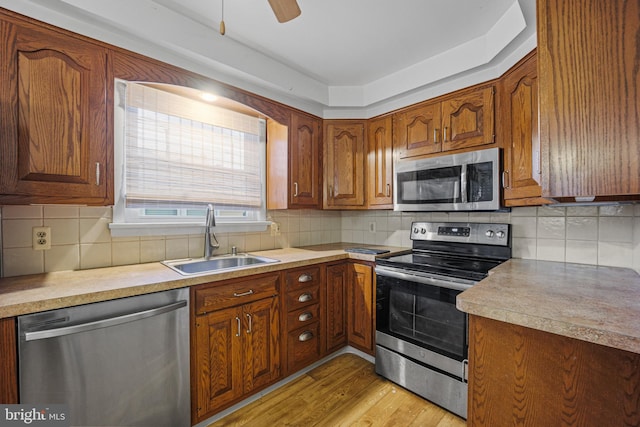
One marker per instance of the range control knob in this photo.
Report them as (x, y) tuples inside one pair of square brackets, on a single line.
[(489, 233), (423, 230), (416, 230), (500, 234)]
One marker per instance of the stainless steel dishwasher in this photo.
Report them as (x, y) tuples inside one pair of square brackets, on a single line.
[(123, 362)]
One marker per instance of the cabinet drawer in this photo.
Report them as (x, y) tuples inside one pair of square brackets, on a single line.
[(303, 346), (303, 298), (216, 296), (303, 277), (302, 317)]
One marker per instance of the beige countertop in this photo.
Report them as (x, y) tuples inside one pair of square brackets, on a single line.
[(41, 292), (591, 303)]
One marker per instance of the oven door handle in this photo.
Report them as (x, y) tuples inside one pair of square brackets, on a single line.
[(423, 279)]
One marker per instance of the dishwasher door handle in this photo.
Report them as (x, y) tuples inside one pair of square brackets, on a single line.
[(103, 323)]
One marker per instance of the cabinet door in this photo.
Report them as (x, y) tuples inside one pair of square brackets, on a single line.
[(519, 126), (54, 133), (589, 91), (336, 307), (304, 162), (468, 119), (360, 307), (218, 359), (417, 131), (261, 343), (380, 163), (344, 173)]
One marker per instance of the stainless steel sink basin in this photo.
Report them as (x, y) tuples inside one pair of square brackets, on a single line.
[(215, 264)]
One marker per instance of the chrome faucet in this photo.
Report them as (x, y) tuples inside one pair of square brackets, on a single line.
[(209, 223)]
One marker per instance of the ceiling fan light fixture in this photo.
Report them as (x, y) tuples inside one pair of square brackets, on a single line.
[(285, 10)]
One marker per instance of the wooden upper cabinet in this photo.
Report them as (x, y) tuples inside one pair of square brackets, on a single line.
[(417, 131), (305, 162), (380, 162), (344, 163), (55, 129), (457, 121), (518, 127), (589, 73), (468, 119)]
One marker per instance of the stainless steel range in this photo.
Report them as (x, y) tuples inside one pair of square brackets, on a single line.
[(421, 338)]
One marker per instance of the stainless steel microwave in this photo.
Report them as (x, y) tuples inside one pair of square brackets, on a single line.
[(454, 182)]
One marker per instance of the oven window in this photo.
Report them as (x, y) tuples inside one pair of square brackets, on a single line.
[(439, 185), (430, 319)]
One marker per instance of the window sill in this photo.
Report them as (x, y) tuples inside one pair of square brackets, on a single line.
[(171, 229)]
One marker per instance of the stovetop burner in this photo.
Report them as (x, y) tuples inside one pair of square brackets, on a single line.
[(460, 250)]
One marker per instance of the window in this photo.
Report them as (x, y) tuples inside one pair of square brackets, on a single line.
[(175, 155)]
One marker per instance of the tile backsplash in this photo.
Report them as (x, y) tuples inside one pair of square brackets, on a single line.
[(80, 237)]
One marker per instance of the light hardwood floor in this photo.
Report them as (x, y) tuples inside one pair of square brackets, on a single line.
[(345, 391)]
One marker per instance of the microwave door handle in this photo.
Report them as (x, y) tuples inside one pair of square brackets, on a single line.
[(463, 183)]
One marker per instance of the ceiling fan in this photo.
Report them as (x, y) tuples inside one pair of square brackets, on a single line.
[(285, 10)]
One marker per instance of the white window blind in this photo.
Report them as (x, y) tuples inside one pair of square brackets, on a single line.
[(178, 150)]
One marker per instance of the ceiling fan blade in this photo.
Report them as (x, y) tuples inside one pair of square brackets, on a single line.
[(285, 10)]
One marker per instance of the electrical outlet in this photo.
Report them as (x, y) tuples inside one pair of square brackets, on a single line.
[(41, 238), (275, 229)]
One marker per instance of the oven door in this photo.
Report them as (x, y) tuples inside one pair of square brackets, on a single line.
[(421, 321)]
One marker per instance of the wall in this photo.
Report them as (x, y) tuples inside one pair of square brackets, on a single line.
[(80, 239), (607, 235)]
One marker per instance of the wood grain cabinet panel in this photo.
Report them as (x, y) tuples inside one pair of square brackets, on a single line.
[(336, 307), (305, 148), (589, 72), (525, 377), (344, 163), (461, 120), (418, 130), (55, 130), (380, 162), (8, 361), (360, 304), (518, 113), (236, 350)]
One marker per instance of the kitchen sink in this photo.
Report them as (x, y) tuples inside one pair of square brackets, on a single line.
[(215, 264)]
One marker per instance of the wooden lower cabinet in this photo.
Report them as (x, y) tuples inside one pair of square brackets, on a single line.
[(236, 350), (336, 307), (8, 361), (303, 305), (360, 304), (524, 377)]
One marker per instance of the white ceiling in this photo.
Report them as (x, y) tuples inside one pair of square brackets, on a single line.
[(352, 58)]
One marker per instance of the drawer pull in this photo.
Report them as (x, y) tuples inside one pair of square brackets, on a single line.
[(239, 326), (305, 336), (243, 294), (304, 278), (305, 297), (306, 316)]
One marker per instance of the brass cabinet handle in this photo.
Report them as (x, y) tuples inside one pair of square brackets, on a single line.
[(97, 173), (305, 336), (435, 135), (295, 189), (250, 323), (306, 277), (239, 326), (243, 294), (305, 297), (445, 134), (306, 316)]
